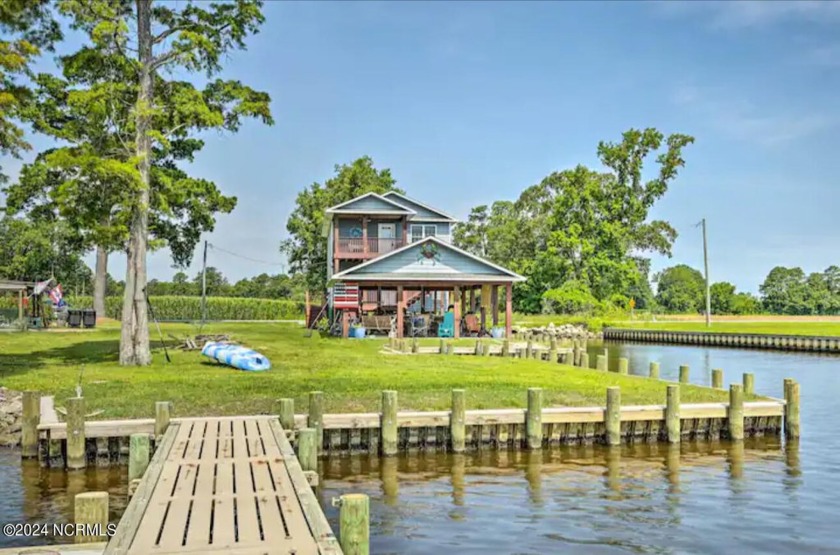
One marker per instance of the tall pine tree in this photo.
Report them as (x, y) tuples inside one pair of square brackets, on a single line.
[(158, 120)]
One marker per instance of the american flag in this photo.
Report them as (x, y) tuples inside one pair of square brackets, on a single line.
[(56, 295)]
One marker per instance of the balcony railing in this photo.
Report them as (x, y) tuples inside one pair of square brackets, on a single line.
[(354, 247)]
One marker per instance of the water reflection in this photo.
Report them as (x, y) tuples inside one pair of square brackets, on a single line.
[(555, 499), (34, 494)]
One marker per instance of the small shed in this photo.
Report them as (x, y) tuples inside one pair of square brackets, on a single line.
[(21, 287)]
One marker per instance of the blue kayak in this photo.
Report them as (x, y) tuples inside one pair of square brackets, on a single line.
[(236, 356)]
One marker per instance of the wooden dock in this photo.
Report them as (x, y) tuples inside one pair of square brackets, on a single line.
[(224, 485)]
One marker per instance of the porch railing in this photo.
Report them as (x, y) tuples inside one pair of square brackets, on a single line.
[(375, 245)]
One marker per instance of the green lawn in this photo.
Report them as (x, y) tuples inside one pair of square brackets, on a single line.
[(779, 327), (350, 372)]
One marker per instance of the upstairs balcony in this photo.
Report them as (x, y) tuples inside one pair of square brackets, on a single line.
[(358, 248)]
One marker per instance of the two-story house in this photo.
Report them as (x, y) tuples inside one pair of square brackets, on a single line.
[(392, 255)]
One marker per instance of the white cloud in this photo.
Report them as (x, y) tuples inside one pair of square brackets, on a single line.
[(743, 120), (741, 14)]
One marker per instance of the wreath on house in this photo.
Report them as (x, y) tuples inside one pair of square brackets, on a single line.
[(429, 251)]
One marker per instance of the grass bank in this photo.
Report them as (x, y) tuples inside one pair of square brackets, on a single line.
[(797, 327), (350, 372)]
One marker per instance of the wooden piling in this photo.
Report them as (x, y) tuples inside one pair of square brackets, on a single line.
[(521, 352), (315, 418), (442, 349), (307, 449), (612, 415), (672, 413), (414, 345), (653, 371), (29, 424), (457, 419), (601, 363), (287, 413), (684, 374), (623, 366), (576, 352), (138, 456), (354, 524), (584, 360), (749, 383), (717, 378), (791, 409), (506, 347), (389, 423), (91, 510), (162, 415), (76, 455), (735, 413), (533, 419), (450, 348)]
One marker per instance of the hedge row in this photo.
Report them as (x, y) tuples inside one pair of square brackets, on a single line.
[(189, 308)]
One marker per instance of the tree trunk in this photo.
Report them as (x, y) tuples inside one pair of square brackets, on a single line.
[(100, 281), (134, 340)]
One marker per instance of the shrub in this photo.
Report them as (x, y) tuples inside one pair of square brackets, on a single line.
[(573, 297)]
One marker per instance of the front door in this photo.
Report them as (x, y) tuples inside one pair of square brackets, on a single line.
[(387, 237)]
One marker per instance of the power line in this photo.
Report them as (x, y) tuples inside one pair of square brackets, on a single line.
[(242, 256)]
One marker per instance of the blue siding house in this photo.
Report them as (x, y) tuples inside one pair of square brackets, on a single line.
[(392, 267)]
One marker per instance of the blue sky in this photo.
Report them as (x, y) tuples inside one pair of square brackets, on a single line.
[(468, 103)]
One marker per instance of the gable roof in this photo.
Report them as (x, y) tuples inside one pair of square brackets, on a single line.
[(398, 265), (370, 203), (443, 216)]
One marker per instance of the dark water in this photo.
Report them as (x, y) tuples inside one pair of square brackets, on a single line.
[(762, 496)]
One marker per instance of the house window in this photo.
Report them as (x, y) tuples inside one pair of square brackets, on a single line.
[(419, 231)]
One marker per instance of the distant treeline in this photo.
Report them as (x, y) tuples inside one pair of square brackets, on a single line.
[(681, 289)]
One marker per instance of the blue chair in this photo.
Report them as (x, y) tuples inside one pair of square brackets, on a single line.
[(447, 327)]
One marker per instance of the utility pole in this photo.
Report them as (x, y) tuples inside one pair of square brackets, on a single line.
[(706, 264), (204, 286)]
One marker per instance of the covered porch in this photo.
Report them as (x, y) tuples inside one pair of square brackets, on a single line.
[(420, 308), (428, 287)]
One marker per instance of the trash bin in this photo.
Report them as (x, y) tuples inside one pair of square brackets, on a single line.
[(89, 318), (74, 318)]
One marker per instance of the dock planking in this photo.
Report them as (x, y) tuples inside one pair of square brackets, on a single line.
[(226, 485)]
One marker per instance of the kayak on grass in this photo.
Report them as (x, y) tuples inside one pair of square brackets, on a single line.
[(236, 356)]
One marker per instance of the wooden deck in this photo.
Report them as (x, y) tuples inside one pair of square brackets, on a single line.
[(224, 485)]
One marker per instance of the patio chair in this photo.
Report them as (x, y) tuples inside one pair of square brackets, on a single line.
[(447, 327), (471, 325)]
